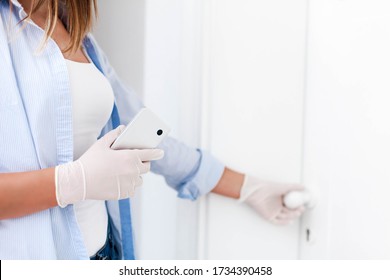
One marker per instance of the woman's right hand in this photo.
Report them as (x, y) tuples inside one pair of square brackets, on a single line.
[(102, 173)]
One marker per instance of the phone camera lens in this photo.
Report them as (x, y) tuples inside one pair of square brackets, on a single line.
[(159, 132)]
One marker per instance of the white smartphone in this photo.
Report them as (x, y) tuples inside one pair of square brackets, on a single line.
[(145, 131)]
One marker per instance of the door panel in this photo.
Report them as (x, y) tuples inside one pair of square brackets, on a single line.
[(347, 151), (254, 99)]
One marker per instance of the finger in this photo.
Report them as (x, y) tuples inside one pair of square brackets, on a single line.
[(286, 219), (125, 184), (290, 214), (300, 209), (110, 137), (277, 221), (138, 181), (144, 167), (150, 154)]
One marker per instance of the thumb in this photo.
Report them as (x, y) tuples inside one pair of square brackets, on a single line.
[(150, 154), (110, 137)]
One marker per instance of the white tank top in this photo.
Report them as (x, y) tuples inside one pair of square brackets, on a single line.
[(92, 103)]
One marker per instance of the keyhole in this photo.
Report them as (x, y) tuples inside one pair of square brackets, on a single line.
[(308, 235)]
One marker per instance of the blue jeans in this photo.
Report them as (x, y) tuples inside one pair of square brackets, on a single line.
[(109, 251)]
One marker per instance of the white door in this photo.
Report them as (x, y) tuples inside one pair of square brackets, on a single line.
[(260, 116), (347, 151), (253, 117)]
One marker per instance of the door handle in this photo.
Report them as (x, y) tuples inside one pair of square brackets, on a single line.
[(295, 199)]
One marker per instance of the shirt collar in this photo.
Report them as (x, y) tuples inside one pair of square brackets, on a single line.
[(16, 3), (19, 7), (22, 14)]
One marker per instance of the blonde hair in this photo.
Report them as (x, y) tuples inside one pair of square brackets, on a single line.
[(79, 20)]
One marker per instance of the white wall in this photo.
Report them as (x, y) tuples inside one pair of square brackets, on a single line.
[(120, 31)]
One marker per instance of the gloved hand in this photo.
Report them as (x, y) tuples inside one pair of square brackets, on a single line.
[(266, 198), (102, 173)]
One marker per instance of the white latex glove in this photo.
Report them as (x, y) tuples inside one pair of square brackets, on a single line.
[(102, 173), (266, 198)]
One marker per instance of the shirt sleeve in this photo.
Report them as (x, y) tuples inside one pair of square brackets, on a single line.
[(191, 172)]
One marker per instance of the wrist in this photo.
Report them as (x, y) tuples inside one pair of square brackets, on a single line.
[(70, 183), (230, 184)]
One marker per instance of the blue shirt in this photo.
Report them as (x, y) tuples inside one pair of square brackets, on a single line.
[(36, 133)]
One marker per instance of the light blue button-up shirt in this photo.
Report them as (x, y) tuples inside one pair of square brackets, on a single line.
[(36, 132)]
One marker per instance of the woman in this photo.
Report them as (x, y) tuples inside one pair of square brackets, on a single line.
[(63, 193)]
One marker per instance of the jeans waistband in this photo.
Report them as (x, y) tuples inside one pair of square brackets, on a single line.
[(109, 250)]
